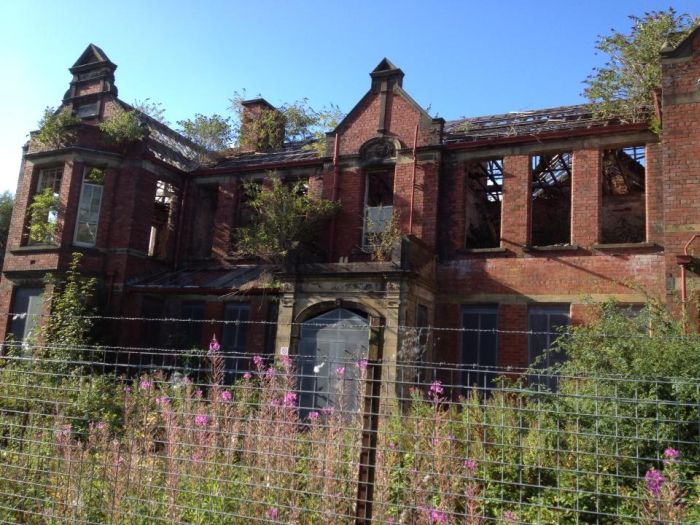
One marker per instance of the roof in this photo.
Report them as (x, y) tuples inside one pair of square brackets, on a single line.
[(291, 152), (192, 279), (521, 124)]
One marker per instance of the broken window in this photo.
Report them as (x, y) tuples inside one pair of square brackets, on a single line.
[(89, 207), (484, 194), (379, 203), (163, 221), (624, 198), (43, 208), (551, 199)]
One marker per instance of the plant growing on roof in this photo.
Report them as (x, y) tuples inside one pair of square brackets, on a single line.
[(212, 133), (123, 127), (287, 220), (55, 127), (624, 87)]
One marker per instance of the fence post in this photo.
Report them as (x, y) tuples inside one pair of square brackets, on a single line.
[(370, 423)]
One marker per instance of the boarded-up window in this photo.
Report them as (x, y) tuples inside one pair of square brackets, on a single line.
[(479, 345), (234, 338), (26, 313)]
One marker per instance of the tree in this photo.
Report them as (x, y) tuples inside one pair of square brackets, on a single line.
[(7, 201), (624, 87), (123, 127), (287, 221), (55, 127), (153, 109), (43, 213), (212, 133)]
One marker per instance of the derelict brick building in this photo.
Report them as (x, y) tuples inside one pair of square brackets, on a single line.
[(510, 222)]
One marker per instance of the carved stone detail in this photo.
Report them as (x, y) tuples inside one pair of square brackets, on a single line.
[(378, 150)]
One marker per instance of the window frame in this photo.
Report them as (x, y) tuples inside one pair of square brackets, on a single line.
[(484, 379), (76, 229)]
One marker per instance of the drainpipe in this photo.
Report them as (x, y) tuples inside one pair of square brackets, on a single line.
[(334, 194), (683, 261), (413, 182)]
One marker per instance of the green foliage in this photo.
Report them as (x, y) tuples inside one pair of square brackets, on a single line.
[(153, 109), (265, 132), (123, 127), (380, 244), (55, 127), (287, 221), (212, 133), (68, 328), (7, 202), (43, 212), (623, 87)]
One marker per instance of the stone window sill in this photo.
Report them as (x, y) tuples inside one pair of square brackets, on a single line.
[(552, 248), (627, 246), (35, 248)]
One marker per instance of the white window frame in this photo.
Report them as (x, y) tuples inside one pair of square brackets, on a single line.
[(76, 242)]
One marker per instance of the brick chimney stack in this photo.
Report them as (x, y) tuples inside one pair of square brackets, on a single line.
[(262, 126)]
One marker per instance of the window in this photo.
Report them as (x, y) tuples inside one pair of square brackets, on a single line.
[(551, 199), (479, 345), (26, 310), (163, 221), (624, 197), (190, 334), (234, 338), (484, 193), (379, 203), (89, 208), (545, 324), (43, 209)]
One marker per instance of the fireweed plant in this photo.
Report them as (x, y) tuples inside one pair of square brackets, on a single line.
[(220, 452)]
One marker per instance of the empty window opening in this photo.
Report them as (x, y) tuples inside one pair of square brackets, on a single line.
[(379, 203), (26, 314), (484, 194), (479, 346), (89, 207), (43, 209), (551, 199), (163, 222), (203, 222), (624, 195)]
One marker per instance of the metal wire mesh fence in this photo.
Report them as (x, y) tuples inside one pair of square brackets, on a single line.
[(142, 435)]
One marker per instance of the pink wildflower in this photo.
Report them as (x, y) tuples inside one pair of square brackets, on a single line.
[(196, 456), (671, 455), (163, 401), (290, 399), (313, 416), (214, 345), (470, 465), (392, 445), (273, 513), (362, 364), (247, 375), (340, 371), (270, 373), (145, 384), (226, 395), (64, 431), (510, 517), (101, 425), (286, 362), (436, 389), (258, 361), (437, 516), (654, 481), (127, 390), (201, 420), (198, 394)]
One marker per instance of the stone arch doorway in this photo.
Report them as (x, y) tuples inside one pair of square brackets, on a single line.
[(330, 347)]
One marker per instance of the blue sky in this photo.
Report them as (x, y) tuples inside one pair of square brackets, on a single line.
[(461, 58)]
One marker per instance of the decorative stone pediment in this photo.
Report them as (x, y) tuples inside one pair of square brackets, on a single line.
[(378, 151)]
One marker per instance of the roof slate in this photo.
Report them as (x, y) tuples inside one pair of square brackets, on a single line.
[(291, 152)]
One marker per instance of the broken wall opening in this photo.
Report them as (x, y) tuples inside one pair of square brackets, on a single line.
[(624, 195), (163, 221), (484, 194), (550, 186), (203, 222)]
